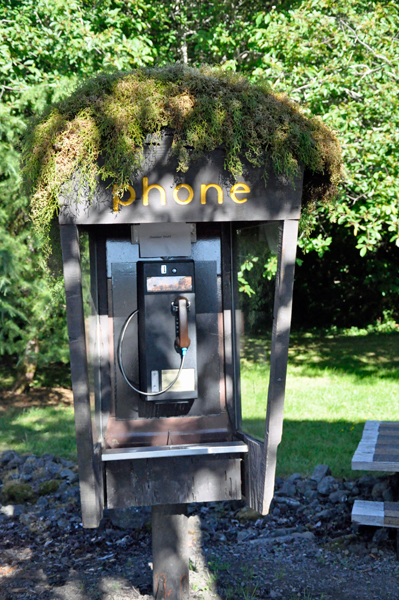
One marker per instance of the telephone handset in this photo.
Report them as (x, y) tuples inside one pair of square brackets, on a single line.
[(167, 331)]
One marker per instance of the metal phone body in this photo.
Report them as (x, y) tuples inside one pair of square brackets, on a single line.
[(159, 283)]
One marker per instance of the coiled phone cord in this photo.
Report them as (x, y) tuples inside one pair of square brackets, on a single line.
[(120, 361)]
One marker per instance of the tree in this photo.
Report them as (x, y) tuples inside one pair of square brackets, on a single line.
[(340, 59), (46, 47)]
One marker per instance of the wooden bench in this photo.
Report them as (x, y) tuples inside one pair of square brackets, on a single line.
[(379, 514), (378, 450)]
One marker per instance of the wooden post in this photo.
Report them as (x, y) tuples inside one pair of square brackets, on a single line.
[(89, 457), (170, 552), (261, 458)]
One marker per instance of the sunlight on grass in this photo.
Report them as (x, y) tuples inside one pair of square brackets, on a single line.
[(334, 385), (49, 429)]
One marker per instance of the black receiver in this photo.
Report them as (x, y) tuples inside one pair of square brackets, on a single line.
[(167, 330)]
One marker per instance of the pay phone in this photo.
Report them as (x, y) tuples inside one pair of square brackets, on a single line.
[(167, 332)]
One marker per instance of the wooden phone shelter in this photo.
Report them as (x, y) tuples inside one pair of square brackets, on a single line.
[(132, 451)]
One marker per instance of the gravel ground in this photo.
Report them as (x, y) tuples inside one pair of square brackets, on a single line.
[(305, 548)]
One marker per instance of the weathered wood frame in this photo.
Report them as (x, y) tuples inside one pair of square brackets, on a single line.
[(272, 202), (260, 462), (89, 452)]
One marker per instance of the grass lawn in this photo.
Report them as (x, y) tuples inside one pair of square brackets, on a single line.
[(334, 384), (38, 423)]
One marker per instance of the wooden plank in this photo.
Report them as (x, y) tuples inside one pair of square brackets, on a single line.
[(386, 449), (273, 199), (230, 365), (254, 473), (368, 513), (387, 440), (172, 480), (278, 360), (379, 514), (90, 480), (173, 450), (378, 450), (391, 514)]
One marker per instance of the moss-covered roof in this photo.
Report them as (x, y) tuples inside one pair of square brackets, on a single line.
[(100, 130)]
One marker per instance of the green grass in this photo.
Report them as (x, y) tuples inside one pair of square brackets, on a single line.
[(334, 384), (48, 429)]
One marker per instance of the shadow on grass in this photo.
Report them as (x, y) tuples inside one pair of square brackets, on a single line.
[(332, 444), (373, 355), (39, 430)]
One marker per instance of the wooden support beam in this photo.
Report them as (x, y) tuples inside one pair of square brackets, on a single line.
[(261, 458), (89, 456)]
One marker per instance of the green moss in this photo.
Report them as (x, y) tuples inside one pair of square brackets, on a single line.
[(49, 487), (15, 491), (100, 129)]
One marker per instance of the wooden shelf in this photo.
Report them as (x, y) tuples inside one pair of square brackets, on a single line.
[(175, 450)]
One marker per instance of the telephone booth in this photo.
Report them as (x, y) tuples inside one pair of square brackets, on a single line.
[(155, 325)]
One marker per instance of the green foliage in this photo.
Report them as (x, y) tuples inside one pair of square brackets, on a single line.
[(46, 46), (340, 60), (110, 116)]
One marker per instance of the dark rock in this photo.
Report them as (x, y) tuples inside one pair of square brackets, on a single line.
[(68, 464), (7, 456), (288, 489), (287, 501), (327, 485), (129, 518), (324, 515), (311, 495), (388, 495), (63, 523), (306, 485), (28, 518), (381, 535), (366, 481), (29, 465), (244, 535), (349, 485), (17, 461), (42, 502), (379, 488), (294, 478), (69, 475), (338, 496), (52, 468), (319, 472)]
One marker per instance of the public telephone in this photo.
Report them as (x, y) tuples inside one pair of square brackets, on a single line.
[(167, 331)]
